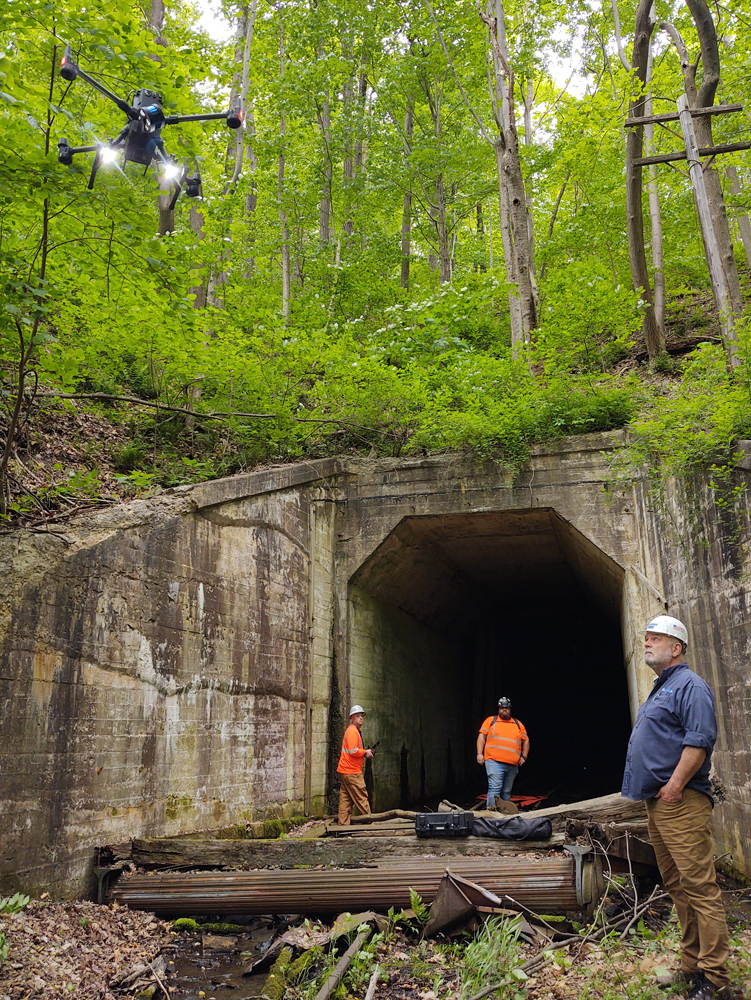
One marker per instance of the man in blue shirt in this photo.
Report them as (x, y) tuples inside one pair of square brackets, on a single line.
[(667, 766)]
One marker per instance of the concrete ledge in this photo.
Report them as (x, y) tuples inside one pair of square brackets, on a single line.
[(272, 480)]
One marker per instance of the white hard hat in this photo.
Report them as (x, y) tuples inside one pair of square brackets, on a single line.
[(356, 710), (666, 625)]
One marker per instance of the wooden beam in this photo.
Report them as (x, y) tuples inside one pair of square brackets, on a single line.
[(674, 116), (704, 211), (726, 147)]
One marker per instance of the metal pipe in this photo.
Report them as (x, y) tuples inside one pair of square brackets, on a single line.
[(543, 884)]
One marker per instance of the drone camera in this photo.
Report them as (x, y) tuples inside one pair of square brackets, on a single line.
[(64, 153), (193, 186), (68, 66), (235, 117)]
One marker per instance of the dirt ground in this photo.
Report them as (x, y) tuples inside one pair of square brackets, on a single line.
[(75, 950), (81, 950)]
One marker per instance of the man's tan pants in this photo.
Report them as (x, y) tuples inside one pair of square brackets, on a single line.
[(682, 841), (352, 793)]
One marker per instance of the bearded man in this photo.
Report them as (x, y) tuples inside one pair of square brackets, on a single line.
[(667, 767)]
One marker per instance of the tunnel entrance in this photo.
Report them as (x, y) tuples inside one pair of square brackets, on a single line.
[(450, 613)]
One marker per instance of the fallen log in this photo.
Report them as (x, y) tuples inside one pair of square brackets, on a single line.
[(389, 814), (175, 852), (605, 809)]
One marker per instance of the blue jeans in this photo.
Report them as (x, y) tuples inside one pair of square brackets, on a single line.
[(500, 780)]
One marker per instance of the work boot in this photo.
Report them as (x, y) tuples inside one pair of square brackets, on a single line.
[(705, 989), (677, 980)]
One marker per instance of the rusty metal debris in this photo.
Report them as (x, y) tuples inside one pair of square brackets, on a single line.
[(456, 903), (549, 884)]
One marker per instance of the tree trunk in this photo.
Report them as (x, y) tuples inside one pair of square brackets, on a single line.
[(360, 146), (711, 183), (654, 341), (720, 288), (155, 23), (444, 250), (240, 85), (507, 243), (324, 125), (280, 187), (655, 215), (710, 61), (409, 127), (481, 266), (251, 196), (744, 226), (512, 198), (348, 161), (491, 263), (196, 225), (528, 99)]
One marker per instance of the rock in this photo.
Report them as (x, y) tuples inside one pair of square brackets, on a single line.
[(217, 942)]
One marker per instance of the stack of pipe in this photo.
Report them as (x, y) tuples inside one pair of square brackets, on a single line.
[(542, 884)]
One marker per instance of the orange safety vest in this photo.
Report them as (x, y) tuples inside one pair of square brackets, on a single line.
[(353, 751), (503, 740)]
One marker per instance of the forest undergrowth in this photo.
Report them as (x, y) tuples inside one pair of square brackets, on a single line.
[(133, 422)]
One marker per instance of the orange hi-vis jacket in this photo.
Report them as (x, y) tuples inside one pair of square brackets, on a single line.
[(353, 752), (503, 740)]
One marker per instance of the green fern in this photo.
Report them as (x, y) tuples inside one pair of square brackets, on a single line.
[(422, 912)]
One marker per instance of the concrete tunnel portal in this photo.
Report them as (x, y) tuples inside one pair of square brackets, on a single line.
[(449, 613)]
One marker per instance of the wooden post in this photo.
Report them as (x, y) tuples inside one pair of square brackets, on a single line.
[(716, 272)]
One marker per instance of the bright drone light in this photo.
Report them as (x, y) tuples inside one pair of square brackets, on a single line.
[(107, 154), (171, 171)]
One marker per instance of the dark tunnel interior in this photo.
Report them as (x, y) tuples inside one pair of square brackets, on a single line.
[(561, 664), (474, 606)]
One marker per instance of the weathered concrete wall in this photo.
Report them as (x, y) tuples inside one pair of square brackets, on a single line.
[(156, 674), (187, 661), (697, 541), (405, 673)]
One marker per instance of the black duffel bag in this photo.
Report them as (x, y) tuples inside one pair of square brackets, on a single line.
[(512, 827)]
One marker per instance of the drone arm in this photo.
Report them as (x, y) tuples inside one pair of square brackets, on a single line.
[(69, 70), (234, 117), (123, 105), (176, 119)]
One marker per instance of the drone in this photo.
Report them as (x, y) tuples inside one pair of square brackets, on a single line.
[(140, 141)]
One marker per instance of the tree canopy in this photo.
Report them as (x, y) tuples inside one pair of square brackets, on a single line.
[(343, 282)]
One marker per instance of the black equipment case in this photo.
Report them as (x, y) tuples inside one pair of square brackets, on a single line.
[(445, 824)]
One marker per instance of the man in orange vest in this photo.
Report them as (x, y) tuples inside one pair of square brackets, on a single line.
[(352, 791), (502, 746)]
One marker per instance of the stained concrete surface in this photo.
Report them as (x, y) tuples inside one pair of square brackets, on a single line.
[(188, 661)]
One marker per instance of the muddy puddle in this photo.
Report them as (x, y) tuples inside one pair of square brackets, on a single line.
[(209, 966)]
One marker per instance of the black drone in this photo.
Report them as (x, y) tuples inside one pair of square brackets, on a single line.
[(141, 139)]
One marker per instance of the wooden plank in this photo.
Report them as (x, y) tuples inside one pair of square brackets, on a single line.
[(674, 116), (725, 147)]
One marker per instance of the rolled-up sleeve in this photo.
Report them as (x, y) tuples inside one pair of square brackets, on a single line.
[(698, 717)]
